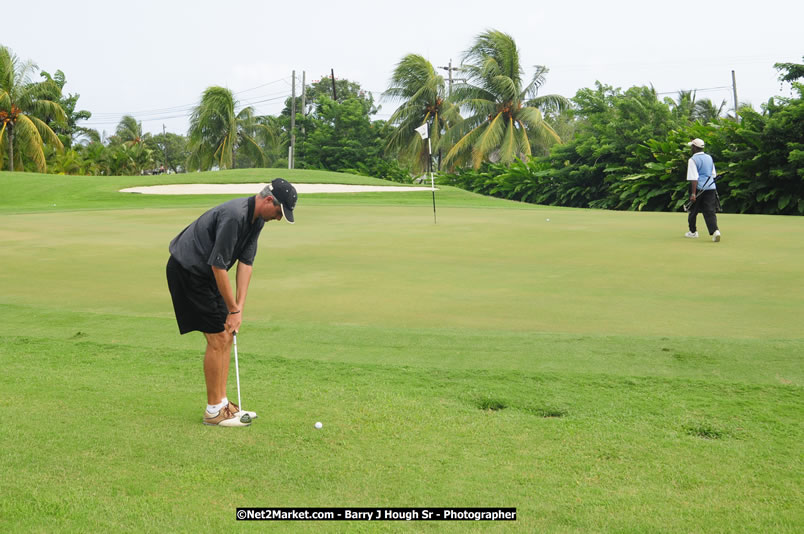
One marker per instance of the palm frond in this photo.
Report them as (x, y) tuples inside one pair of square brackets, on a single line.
[(46, 133), (494, 53), (532, 117), (220, 154), (480, 106), (489, 140), (29, 142), (461, 150), (507, 150), (47, 109), (550, 103), (412, 75), (523, 143), (253, 149), (539, 76), (505, 89)]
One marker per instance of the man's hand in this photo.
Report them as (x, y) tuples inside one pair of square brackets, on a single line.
[(233, 322)]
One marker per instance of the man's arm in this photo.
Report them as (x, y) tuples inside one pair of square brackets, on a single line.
[(234, 318), (692, 177), (243, 278)]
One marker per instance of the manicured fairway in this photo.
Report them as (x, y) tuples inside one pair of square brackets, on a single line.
[(597, 371)]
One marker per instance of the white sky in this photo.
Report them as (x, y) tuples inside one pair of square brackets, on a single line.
[(153, 59)]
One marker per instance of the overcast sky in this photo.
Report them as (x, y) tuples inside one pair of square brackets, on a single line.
[(153, 59)]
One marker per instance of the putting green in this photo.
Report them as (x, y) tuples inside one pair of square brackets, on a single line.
[(597, 371)]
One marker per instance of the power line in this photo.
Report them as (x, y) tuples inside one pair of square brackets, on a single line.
[(183, 106), (263, 85), (174, 112), (695, 90)]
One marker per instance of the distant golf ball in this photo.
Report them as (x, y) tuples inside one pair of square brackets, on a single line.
[(318, 425), (548, 220)]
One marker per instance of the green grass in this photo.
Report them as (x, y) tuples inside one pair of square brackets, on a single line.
[(598, 371)]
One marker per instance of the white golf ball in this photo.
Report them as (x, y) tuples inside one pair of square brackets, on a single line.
[(318, 425), (548, 220)]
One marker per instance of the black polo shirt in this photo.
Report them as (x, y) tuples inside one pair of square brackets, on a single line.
[(219, 237)]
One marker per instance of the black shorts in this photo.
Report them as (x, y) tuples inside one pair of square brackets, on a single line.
[(196, 300)]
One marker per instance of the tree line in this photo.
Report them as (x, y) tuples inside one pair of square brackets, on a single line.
[(491, 132)]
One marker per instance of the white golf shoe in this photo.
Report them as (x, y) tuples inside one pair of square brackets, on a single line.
[(691, 235), (226, 417), (237, 411), (716, 236)]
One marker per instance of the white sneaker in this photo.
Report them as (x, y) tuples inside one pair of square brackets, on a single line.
[(226, 417), (693, 235), (716, 236), (237, 411)]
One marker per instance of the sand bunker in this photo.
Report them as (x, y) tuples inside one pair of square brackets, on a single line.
[(251, 189)]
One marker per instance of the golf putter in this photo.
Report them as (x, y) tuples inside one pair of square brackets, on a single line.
[(689, 203), (237, 376)]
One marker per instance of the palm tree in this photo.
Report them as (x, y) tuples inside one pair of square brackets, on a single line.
[(273, 139), (683, 106), (129, 131), (422, 91), (706, 111), (216, 131), (554, 108), (23, 106), (502, 109), (688, 108)]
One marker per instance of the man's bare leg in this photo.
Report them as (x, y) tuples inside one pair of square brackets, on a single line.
[(216, 365)]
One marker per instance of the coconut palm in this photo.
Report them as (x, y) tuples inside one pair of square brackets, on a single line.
[(216, 131), (24, 107), (129, 131), (502, 108), (706, 111), (273, 139), (683, 106), (422, 92), (688, 108), (250, 132)]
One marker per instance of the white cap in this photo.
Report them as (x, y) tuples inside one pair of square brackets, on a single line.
[(696, 142)]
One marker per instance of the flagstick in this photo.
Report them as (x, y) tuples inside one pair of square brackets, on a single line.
[(432, 180), (424, 132)]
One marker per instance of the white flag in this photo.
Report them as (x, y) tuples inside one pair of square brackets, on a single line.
[(423, 131)]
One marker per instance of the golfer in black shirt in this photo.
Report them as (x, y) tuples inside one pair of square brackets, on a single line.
[(197, 273)]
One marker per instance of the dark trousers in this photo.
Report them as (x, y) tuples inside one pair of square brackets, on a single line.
[(706, 203)]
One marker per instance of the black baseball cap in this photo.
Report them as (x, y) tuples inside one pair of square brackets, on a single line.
[(285, 193)]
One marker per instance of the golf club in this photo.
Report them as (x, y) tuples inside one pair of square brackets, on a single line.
[(237, 371), (689, 203)]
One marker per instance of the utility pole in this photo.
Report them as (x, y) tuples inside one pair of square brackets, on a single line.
[(304, 93), (164, 146), (334, 93), (292, 122), (734, 88), (304, 100), (450, 68)]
